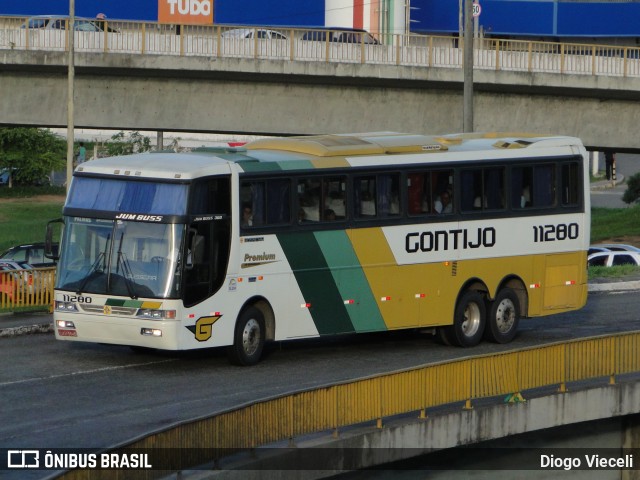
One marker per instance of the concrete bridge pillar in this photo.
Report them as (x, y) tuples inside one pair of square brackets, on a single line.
[(594, 157), (631, 440)]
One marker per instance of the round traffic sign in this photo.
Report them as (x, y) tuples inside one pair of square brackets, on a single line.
[(476, 9)]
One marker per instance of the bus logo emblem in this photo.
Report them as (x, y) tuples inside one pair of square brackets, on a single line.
[(107, 310)]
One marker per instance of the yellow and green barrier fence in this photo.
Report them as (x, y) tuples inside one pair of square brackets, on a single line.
[(26, 290)]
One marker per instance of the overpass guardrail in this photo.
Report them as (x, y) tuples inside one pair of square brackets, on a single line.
[(27, 290), (307, 45), (374, 399)]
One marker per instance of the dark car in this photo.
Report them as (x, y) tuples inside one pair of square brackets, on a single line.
[(32, 253)]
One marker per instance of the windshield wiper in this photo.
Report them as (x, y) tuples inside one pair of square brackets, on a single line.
[(101, 257), (126, 269)]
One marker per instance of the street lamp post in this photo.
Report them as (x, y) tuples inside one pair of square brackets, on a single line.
[(467, 109), (70, 91)]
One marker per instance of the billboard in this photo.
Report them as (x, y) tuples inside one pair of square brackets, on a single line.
[(185, 12)]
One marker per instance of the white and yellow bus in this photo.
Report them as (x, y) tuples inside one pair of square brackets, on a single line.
[(291, 238)]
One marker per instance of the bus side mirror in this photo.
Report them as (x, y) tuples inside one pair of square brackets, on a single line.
[(51, 249)]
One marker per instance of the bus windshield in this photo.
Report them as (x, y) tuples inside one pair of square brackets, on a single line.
[(117, 257)]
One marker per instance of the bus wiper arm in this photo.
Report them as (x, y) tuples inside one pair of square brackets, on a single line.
[(126, 269), (94, 267)]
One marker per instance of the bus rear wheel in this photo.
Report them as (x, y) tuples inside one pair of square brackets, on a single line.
[(504, 316), (469, 320), (248, 340)]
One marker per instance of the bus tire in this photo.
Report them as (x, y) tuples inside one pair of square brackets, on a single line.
[(469, 320), (248, 339), (504, 316)]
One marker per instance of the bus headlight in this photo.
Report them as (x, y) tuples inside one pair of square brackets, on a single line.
[(152, 314), (66, 306), (65, 324)]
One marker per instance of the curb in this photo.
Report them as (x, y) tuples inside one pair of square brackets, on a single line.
[(608, 184), (26, 330), (614, 286)]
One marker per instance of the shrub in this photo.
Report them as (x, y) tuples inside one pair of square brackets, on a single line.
[(632, 193)]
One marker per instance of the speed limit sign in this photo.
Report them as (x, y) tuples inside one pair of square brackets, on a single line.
[(476, 9)]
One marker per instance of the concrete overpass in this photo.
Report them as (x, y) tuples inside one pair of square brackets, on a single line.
[(280, 96)]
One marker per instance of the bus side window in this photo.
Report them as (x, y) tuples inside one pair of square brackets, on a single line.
[(388, 195), (570, 184), (442, 181), (415, 193), (483, 189), (278, 201), (252, 204), (265, 202), (334, 189), (365, 196), (521, 179), (308, 200), (544, 186)]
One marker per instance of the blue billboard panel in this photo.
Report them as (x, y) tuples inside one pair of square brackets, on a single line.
[(272, 13), (540, 18), (599, 19), (516, 18), (120, 9)]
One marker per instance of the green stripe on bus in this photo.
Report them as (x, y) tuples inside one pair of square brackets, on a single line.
[(316, 282), (296, 165), (253, 166), (118, 302), (351, 281)]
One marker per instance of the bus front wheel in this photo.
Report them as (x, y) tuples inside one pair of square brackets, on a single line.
[(469, 320), (248, 340), (504, 316)]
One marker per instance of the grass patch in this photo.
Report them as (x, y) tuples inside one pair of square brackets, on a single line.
[(611, 223), (613, 272), (24, 220)]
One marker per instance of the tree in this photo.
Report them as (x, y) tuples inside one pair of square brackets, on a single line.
[(121, 144), (31, 153), (632, 193)]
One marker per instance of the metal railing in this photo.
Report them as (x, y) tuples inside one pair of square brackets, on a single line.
[(26, 290), (218, 41), (415, 390)]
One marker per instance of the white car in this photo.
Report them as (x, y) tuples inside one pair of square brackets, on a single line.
[(613, 247), (253, 33), (49, 22), (612, 259)]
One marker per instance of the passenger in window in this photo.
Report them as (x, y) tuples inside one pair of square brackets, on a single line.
[(368, 206), (247, 216), (425, 204), (525, 198), (309, 207), (336, 203), (479, 204), (443, 203), (329, 215), (394, 208)]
